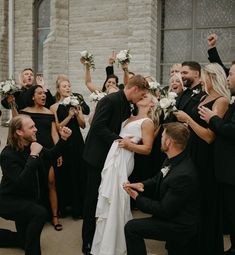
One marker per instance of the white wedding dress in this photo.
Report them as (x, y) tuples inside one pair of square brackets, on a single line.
[(113, 206)]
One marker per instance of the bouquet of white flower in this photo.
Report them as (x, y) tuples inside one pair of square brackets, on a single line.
[(167, 103), (96, 96), (88, 58), (71, 101), (8, 87), (123, 57)]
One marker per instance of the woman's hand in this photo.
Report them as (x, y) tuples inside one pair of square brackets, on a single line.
[(182, 116), (206, 114)]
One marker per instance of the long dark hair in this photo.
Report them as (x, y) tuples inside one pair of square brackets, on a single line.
[(30, 93), (108, 77)]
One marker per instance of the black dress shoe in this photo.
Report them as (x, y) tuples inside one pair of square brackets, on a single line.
[(86, 248), (230, 252)]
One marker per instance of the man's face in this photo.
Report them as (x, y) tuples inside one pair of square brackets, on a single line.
[(164, 142), (231, 80), (28, 131), (137, 94), (187, 76), (27, 78)]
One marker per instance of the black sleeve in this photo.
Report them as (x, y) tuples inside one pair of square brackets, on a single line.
[(109, 70), (214, 57), (50, 100), (55, 152), (172, 202), (4, 103), (225, 130)]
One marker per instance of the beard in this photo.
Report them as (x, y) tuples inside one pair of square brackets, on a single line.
[(30, 138), (188, 82)]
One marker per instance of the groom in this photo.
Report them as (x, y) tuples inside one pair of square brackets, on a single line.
[(110, 112)]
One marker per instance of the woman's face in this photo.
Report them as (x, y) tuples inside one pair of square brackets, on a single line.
[(64, 89), (147, 100), (175, 85), (39, 97), (111, 85)]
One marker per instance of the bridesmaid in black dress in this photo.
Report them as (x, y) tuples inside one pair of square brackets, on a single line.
[(201, 149), (71, 177), (47, 136)]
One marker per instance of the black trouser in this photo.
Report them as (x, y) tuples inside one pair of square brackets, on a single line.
[(137, 230), (89, 220), (29, 219), (228, 196)]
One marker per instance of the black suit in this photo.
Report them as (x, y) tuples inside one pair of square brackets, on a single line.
[(21, 99), (224, 151), (174, 208), (214, 57), (110, 112), (19, 196)]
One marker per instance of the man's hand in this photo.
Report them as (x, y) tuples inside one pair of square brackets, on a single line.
[(35, 149), (211, 40), (139, 186), (65, 133), (10, 99)]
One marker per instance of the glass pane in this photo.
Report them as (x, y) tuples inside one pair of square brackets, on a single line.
[(177, 46), (44, 14), (165, 75), (178, 13), (225, 44), (42, 35), (215, 13)]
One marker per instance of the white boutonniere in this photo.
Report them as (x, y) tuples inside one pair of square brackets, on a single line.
[(195, 92), (232, 100), (165, 170)]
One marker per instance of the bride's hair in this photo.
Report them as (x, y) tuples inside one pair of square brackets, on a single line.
[(153, 112)]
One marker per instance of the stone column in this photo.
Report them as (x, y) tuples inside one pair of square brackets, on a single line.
[(55, 49)]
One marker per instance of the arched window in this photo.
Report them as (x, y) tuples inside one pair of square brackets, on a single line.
[(185, 25), (42, 29)]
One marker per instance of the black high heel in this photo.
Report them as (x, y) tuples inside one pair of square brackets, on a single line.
[(58, 226)]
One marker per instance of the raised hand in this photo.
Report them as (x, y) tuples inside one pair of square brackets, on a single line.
[(112, 58), (211, 40), (35, 148)]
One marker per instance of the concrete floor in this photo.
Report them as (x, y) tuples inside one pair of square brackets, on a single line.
[(69, 241)]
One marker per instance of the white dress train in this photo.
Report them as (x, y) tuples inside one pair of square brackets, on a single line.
[(113, 206)]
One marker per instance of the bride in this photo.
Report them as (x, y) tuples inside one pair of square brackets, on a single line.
[(113, 207)]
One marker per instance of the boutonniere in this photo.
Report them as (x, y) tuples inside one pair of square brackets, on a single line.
[(232, 100), (165, 170), (195, 92)]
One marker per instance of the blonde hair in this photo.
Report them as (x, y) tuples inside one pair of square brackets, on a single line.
[(218, 79), (178, 76), (153, 112), (60, 78)]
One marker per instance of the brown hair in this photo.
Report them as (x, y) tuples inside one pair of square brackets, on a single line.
[(178, 132), (60, 78), (14, 125), (139, 81)]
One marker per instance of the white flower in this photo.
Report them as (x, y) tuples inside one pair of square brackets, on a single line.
[(8, 87), (66, 101), (96, 96), (154, 85), (232, 100), (165, 170), (74, 101), (172, 95), (88, 58), (165, 103), (123, 56), (195, 92)]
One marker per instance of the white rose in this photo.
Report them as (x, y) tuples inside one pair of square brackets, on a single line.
[(66, 101), (165, 103), (6, 88), (154, 85), (84, 53), (74, 101), (172, 95), (121, 56)]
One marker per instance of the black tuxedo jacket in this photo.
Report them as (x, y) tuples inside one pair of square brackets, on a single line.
[(214, 57), (188, 98), (175, 197), (224, 148), (21, 172), (21, 99), (110, 112)]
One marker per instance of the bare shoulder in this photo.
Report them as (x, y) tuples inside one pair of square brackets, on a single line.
[(222, 101), (54, 107)]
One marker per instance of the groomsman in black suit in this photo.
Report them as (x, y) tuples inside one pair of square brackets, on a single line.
[(224, 152), (174, 205), (27, 80), (191, 73), (22, 163), (110, 112)]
